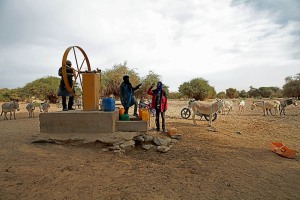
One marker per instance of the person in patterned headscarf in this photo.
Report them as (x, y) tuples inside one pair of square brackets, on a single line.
[(159, 103)]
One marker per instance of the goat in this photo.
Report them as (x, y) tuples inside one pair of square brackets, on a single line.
[(205, 108), (267, 105), (44, 107), (78, 103), (227, 104), (286, 103), (241, 106), (30, 108), (10, 107)]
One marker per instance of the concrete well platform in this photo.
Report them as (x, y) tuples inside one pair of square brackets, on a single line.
[(88, 122)]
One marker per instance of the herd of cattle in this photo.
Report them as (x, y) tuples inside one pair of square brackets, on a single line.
[(197, 106)]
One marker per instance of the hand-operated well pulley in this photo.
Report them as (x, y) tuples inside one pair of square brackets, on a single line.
[(85, 67), (90, 81)]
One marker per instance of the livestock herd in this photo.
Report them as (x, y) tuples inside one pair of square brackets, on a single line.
[(13, 106), (207, 108), (220, 105)]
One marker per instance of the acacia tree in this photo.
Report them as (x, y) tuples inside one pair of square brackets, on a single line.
[(232, 93), (264, 92), (197, 88), (112, 78), (42, 88), (292, 87), (146, 83), (243, 94), (174, 95), (221, 95), (7, 94)]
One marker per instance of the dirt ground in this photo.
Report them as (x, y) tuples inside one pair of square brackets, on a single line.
[(202, 165)]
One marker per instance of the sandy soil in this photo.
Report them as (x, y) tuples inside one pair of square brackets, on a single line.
[(202, 165)]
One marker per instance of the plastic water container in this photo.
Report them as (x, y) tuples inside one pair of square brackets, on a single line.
[(140, 113), (144, 114), (108, 104), (121, 111), (124, 117)]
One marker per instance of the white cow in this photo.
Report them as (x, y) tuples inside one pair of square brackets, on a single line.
[(30, 108), (10, 107)]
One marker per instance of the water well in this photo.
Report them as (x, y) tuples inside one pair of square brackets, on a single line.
[(90, 119)]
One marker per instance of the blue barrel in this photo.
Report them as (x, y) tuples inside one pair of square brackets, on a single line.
[(108, 104)]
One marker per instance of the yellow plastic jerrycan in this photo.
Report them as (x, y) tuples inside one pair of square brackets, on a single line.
[(144, 114)]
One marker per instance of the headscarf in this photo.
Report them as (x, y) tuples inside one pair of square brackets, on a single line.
[(126, 79), (158, 94), (68, 63), (159, 86)]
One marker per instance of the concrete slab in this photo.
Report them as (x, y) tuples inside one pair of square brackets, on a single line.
[(109, 138), (132, 126), (78, 122)]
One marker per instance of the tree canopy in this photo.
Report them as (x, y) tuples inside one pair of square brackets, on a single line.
[(42, 88), (197, 88), (292, 86), (112, 79)]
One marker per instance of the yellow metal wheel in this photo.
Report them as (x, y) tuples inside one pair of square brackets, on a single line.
[(84, 67)]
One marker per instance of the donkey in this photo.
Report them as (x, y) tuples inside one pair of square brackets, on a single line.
[(267, 105), (286, 103), (10, 107), (44, 107), (227, 104), (205, 108), (30, 108)]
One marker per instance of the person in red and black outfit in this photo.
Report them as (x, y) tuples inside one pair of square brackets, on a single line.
[(159, 103)]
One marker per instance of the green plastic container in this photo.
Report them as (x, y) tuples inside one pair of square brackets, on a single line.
[(124, 117)]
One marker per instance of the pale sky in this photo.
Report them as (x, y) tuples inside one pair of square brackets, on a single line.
[(237, 44)]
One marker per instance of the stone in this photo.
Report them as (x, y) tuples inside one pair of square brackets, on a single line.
[(127, 144), (163, 149), (147, 146)]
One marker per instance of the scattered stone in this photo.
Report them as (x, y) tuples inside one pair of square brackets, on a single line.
[(127, 144), (148, 138), (173, 142), (238, 132), (160, 141), (119, 151), (163, 143), (213, 129), (163, 149), (147, 146), (177, 137), (139, 138), (113, 148)]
